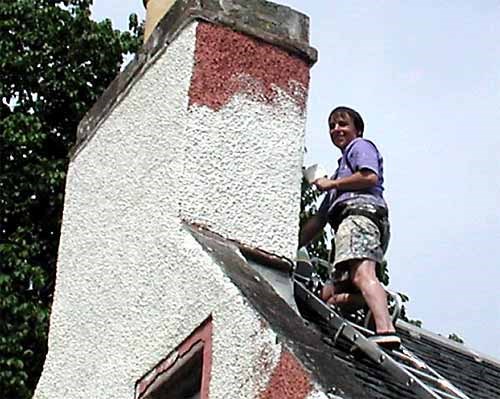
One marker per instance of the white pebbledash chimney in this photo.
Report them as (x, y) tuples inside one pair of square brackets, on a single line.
[(205, 125)]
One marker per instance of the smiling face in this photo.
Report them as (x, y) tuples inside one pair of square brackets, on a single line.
[(342, 129)]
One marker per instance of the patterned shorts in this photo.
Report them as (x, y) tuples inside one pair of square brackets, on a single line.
[(358, 237)]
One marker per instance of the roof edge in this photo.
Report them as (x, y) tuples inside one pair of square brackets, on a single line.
[(479, 357)]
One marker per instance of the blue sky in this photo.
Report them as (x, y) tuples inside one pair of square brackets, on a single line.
[(425, 76)]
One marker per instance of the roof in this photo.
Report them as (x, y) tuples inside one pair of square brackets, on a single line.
[(333, 366), (475, 374)]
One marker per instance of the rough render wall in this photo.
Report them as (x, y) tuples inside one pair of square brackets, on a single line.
[(120, 242), (125, 295), (246, 125)]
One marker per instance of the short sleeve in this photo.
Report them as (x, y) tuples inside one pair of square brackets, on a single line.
[(364, 155)]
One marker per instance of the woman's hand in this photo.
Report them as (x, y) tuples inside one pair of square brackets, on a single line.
[(324, 184)]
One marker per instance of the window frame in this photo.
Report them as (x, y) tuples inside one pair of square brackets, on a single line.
[(198, 342)]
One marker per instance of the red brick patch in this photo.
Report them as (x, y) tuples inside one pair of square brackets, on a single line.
[(289, 380), (228, 62)]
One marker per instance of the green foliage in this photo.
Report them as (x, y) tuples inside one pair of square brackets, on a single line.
[(456, 338), (54, 63), (318, 247), (383, 273), (404, 312)]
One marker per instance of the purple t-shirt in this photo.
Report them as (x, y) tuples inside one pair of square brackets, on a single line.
[(359, 154)]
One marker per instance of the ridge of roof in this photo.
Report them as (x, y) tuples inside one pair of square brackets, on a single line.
[(418, 332), (337, 371), (284, 264), (300, 337), (313, 342)]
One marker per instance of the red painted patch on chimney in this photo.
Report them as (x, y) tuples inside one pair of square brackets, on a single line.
[(228, 62), (289, 380)]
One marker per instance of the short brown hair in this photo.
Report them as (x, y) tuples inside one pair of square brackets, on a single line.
[(355, 117)]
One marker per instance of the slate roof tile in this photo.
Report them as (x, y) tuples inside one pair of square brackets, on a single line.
[(333, 366)]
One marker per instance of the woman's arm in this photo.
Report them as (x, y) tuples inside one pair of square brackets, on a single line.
[(312, 227), (364, 178)]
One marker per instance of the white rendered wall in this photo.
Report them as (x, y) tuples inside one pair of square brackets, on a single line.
[(106, 359), (131, 283), (243, 173), (119, 240)]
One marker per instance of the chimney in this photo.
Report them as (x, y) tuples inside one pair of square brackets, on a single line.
[(205, 125), (214, 110)]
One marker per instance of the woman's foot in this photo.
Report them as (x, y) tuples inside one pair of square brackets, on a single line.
[(387, 340)]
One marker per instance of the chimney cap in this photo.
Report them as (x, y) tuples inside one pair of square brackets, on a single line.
[(270, 22)]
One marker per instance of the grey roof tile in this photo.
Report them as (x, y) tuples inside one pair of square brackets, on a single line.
[(334, 367)]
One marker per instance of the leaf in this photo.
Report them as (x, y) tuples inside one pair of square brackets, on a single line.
[(54, 62)]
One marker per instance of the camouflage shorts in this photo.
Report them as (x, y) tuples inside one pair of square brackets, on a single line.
[(358, 237)]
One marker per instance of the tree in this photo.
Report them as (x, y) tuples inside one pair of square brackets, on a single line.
[(455, 337), (54, 63), (309, 196)]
